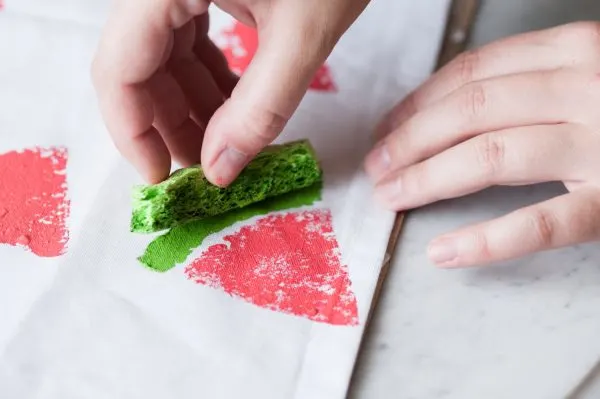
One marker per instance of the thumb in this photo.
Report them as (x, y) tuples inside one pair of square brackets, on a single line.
[(266, 96)]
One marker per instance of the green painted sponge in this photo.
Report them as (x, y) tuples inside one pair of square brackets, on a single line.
[(187, 195)]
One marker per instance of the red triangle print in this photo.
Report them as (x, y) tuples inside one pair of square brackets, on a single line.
[(239, 44), (286, 262), (322, 80), (33, 203)]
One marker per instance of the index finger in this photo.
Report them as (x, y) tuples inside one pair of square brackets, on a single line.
[(541, 50), (136, 41)]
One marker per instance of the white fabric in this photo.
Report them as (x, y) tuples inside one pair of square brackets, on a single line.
[(95, 323)]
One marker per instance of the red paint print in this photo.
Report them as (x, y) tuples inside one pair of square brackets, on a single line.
[(33, 203), (239, 44), (288, 263), (322, 80)]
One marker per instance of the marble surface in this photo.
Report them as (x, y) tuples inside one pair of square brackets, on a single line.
[(499, 18), (522, 329)]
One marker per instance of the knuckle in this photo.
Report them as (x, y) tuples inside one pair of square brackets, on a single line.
[(474, 100), (490, 151), (264, 125), (585, 34), (407, 107), (481, 246), (542, 224), (467, 64)]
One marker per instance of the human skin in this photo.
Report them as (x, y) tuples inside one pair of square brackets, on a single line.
[(522, 110), (166, 93), (519, 111)]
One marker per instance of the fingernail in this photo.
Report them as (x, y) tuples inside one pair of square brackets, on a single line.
[(443, 252), (377, 162), (228, 165), (389, 192)]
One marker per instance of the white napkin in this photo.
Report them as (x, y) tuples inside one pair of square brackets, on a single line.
[(95, 323)]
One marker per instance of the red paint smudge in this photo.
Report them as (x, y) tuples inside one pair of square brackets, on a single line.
[(33, 203), (323, 81), (239, 44), (289, 263)]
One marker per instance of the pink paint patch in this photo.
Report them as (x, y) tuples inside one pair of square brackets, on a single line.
[(33, 203), (323, 81), (239, 44), (289, 263)]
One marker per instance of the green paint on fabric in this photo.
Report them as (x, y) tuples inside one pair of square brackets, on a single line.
[(173, 247), (187, 195)]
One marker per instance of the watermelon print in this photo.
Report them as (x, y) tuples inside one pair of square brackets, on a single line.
[(288, 263), (33, 201), (239, 44)]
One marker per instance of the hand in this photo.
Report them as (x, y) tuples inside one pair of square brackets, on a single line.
[(165, 90), (523, 110)]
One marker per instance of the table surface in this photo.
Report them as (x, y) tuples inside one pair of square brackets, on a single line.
[(523, 329)]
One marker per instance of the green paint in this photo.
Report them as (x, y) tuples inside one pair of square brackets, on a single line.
[(173, 247), (187, 195)]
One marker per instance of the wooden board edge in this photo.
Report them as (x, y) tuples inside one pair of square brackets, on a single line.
[(459, 23), (461, 17)]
